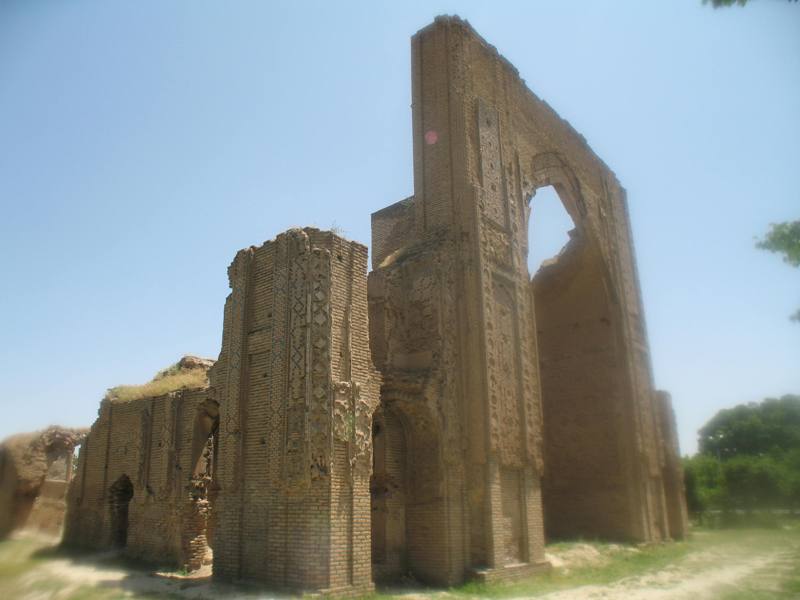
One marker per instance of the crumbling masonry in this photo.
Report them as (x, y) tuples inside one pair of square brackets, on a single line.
[(501, 410), (35, 472), (143, 480)]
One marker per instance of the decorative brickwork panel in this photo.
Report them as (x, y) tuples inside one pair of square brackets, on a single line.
[(319, 409), (492, 197), (503, 346), (231, 396), (299, 391), (305, 418), (497, 245)]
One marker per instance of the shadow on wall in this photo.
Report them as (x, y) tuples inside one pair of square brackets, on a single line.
[(119, 497)]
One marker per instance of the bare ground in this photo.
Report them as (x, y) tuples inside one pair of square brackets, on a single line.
[(700, 575), (726, 565)]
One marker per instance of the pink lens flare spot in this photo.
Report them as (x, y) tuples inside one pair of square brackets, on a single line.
[(431, 137)]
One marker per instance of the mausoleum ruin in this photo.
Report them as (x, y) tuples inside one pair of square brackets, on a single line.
[(442, 417)]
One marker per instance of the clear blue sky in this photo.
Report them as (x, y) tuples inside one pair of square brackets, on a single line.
[(143, 143)]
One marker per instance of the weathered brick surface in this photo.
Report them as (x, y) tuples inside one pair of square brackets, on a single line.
[(672, 470), (297, 390), (505, 405), (150, 444), (532, 399)]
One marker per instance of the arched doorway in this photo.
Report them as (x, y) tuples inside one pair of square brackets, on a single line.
[(119, 498), (408, 508), (581, 367)]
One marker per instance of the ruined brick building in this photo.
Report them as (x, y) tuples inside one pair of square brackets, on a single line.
[(143, 478), (444, 415)]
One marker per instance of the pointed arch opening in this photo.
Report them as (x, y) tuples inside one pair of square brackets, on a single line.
[(120, 495), (578, 356), (550, 228), (406, 488)]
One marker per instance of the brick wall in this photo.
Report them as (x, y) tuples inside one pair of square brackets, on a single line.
[(391, 228), (672, 469), (497, 387), (583, 381), (149, 443), (297, 390)]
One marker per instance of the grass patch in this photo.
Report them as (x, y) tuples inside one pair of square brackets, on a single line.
[(24, 574), (169, 380), (619, 565), (18, 563), (623, 563), (709, 549), (24, 569), (777, 581), (17, 557)]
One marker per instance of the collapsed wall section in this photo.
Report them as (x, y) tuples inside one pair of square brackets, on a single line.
[(35, 470), (297, 390)]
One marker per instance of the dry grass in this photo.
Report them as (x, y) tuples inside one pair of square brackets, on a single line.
[(168, 380)]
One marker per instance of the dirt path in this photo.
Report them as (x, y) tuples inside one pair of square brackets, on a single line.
[(99, 576), (75, 578), (711, 566), (684, 580)]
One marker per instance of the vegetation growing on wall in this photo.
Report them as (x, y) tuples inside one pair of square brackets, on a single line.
[(187, 373)]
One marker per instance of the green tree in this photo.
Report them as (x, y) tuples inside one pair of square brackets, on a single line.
[(784, 238), (752, 482), (704, 484), (748, 459), (754, 429), (721, 3), (791, 463)]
